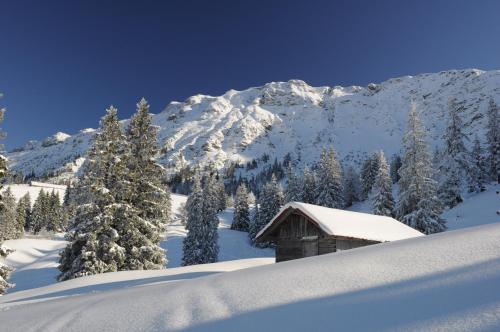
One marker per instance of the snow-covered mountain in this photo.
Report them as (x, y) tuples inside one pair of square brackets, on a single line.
[(291, 117)]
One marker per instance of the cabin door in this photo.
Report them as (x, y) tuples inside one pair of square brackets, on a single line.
[(310, 247)]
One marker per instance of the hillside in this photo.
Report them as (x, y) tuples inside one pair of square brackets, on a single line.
[(289, 117), (448, 281)]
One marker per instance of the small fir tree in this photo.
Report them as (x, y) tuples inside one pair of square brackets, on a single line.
[(241, 216), (383, 202), (329, 190)]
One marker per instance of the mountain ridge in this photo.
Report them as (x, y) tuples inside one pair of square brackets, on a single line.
[(291, 117)]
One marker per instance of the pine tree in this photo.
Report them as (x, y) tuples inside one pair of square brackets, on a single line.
[(6, 208), (241, 216), (23, 210), (93, 242), (455, 164), (383, 202), (329, 190), (4, 270), (8, 217), (493, 140), (368, 174), (418, 205), (351, 186), (200, 244), (309, 186), (209, 244), (270, 204), (221, 194), (150, 198), (254, 222), (25, 202), (477, 172), (294, 189), (39, 213), (395, 166)]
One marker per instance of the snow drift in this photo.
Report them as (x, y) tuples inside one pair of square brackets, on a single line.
[(448, 281)]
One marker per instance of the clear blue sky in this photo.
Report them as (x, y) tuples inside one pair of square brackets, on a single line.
[(63, 62)]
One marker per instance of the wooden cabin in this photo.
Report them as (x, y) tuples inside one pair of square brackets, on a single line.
[(301, 230)]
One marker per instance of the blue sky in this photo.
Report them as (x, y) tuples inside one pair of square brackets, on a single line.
[(63, 62)]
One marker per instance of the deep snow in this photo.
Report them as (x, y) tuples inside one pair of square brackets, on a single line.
[(449, 281)]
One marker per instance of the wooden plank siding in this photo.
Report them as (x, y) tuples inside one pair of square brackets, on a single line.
[(297, 236)]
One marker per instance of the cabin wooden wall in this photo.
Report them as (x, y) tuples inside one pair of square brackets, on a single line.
[(298, 238)]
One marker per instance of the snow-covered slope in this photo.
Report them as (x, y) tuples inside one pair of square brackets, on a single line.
[(449, 281), (291, 117), (36, 258)]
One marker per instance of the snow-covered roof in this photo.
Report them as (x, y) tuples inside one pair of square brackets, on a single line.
[(350, 224)]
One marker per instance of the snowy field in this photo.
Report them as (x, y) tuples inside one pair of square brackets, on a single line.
[(448, 281), (35, 259)]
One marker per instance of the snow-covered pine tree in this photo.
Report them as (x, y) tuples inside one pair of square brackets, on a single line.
[(69, 207), (93, 246), (241, 216), (329, 190), (221, 194), (254, 222), (454, 164), (4, 270), (369, 170), (271, 200), (395, 166), (294, 189), (22, 211), (8, 217), (4, 212), (209, 246), (149, 196), (309, 186), (478, 175), (383, 202), (352, 186), (191, 253), (55, 217), (25, 202), (418, 205), (493, 140), (38, 214)]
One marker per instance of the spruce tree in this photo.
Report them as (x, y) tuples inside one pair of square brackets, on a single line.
[(270, 204), (150, 197), (39, 213), (493, 140), (383, 202), (93, 242), (241, 216), (368, 174), (23, 212), (329, 190), (395, 166), (309, 186), (294, 189), (209, 244), (477, 173), (4, 270), (455, 164), (194, 225), (351, 186), (5, 209), (221, 194), (8, 217), (418, 205)]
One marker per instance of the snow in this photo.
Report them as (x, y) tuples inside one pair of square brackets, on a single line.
[(447, 281), (34, 261), (293, 117), (477, 209), (19, 190), (352, 224), (36, 258), (232, 244)]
